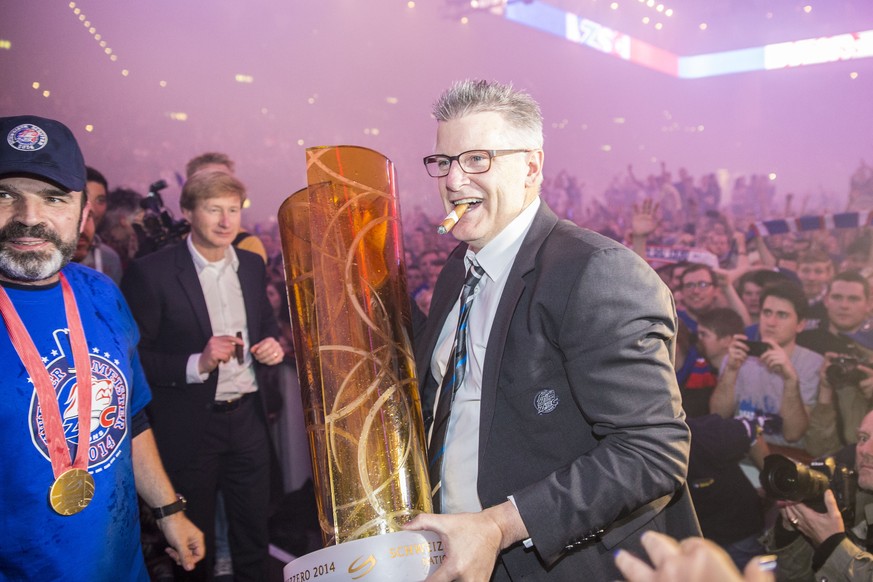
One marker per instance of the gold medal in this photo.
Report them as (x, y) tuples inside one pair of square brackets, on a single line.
[(72, 491)]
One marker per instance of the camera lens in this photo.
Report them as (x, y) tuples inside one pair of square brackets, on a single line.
[(782, 478)]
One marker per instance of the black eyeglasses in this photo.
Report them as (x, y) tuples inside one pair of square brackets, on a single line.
[(472, 162), (697, 285)]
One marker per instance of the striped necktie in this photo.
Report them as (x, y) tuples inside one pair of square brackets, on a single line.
[(452, 380)]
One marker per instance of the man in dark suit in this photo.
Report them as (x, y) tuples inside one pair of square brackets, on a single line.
[(207, 335), (565, 438)]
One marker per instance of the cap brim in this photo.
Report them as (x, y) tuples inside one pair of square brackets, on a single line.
[(70, 182)]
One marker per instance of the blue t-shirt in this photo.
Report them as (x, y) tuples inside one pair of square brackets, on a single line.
[(101, 542), (695, 373)]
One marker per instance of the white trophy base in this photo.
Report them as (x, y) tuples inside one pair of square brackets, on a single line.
[(405, 556)]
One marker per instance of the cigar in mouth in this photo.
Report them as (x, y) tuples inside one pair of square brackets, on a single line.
[(452, 219)]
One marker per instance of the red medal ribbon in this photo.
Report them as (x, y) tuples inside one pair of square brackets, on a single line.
[(59, 453)]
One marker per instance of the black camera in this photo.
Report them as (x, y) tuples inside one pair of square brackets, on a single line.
[(158, 227), (843, 371), (784, 479)]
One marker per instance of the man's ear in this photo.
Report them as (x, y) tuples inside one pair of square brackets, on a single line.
[(534, 168), (801, 326), (86, 211)]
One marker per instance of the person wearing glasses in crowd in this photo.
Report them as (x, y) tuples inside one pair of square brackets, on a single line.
[(558, 436), (703, 289), (701, 286)]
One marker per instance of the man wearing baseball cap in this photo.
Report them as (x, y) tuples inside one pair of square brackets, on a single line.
[(76, 440)]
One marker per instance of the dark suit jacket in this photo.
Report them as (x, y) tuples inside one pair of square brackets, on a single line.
[(585, 327), (166, 299)]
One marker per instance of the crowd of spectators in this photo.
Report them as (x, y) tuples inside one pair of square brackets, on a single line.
[(775, 342)]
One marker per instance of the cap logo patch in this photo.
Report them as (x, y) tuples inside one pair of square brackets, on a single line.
[(27, 138)]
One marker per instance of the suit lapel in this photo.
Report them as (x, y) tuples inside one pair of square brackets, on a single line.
[(190, 282), (525, 262)]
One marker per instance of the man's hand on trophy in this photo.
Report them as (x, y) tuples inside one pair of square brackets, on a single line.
[(472, 540)]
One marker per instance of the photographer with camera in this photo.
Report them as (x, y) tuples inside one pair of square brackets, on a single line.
[(846, 386), (157, 227), (816, 544), (845, 396)]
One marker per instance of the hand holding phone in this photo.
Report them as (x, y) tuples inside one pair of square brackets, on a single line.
[(756, 349)]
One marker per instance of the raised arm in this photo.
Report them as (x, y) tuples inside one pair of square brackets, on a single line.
[(723, 400), (733, 298), (643, 223)]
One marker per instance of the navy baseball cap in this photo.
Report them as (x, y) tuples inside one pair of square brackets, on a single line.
[(41, 147)]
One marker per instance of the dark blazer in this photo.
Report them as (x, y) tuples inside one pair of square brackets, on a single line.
[(166, 299), (581, 420)]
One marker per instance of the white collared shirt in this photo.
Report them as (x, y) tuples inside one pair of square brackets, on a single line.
[(460, 470), (227, 316)]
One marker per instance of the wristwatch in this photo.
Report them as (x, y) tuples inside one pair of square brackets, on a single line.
[(179, 505)]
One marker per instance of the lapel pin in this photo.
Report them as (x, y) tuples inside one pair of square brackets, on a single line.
[(545, 401)]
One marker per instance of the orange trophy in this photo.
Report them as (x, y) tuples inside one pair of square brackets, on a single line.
[(343, 254)]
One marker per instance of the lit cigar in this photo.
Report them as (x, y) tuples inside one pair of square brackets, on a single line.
[(452, 219)]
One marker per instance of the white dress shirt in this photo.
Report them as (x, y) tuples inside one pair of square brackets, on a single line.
[(227, 316), (460, 470)]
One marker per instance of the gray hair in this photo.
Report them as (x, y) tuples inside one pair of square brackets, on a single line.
[(518, 108)]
